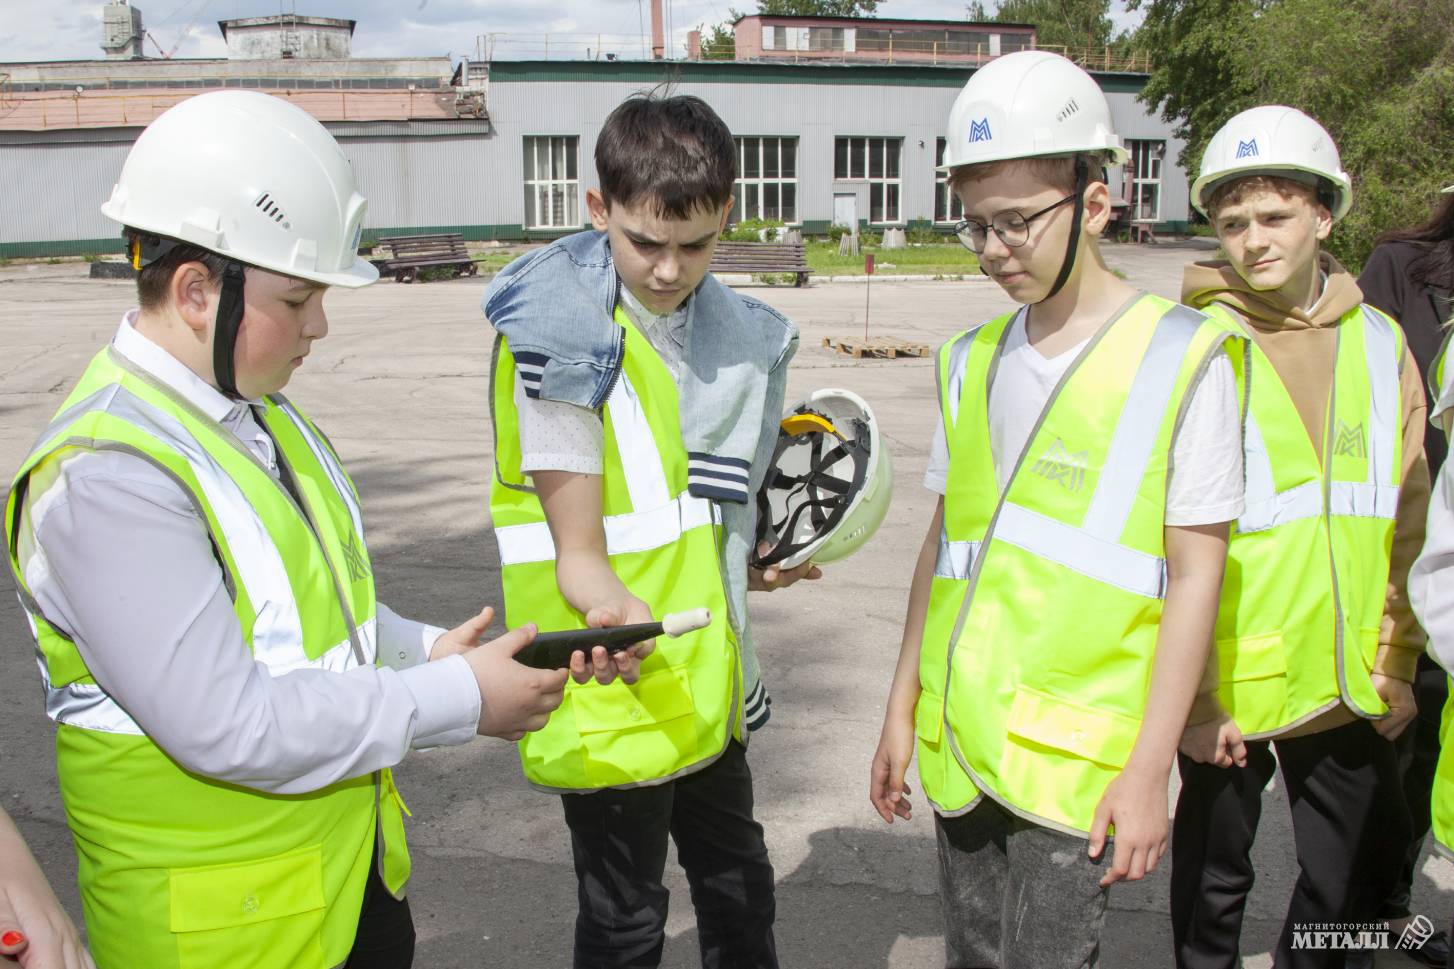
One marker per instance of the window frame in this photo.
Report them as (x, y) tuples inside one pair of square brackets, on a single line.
[(539, 190), (857, 155), (1144, 170), (948, 210), (759, 183)]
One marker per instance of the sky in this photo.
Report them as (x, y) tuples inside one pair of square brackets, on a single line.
[(71, 29)]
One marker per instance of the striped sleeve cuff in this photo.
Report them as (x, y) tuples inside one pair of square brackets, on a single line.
[(531, 367), (758, 708), (713, 476)]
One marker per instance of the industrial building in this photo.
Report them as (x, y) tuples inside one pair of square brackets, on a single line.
[(838, 121)]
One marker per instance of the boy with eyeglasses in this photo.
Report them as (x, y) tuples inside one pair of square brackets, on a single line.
[(1089, 460)]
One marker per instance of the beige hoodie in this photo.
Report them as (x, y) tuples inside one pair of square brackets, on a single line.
[(1301, 343)]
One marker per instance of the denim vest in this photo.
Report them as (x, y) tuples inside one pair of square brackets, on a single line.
[(555, 306)]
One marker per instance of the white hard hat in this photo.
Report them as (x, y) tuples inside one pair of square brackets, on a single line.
[(251, 177), (1273, 140), (1027, 104), (1447, 190), (829, 484)]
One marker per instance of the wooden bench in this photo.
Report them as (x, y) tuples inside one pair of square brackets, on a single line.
[(410, 254), (762, 257)]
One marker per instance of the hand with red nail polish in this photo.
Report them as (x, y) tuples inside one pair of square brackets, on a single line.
[(35, 932)]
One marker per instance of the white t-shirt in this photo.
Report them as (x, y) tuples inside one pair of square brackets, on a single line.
[(556, 436), (1205, 483)]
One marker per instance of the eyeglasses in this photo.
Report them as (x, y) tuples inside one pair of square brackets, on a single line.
[(1012, 227)]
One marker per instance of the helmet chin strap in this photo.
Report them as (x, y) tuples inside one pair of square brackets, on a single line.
[(1082, 178), (225, 330)]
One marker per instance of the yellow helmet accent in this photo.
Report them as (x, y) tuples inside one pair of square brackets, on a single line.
[(805, 423)]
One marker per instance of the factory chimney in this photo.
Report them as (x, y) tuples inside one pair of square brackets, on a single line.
[(658, 42)]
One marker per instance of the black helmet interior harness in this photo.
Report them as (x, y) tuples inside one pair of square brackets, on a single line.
[(817, 494)]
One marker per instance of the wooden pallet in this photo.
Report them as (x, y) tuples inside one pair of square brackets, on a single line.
[(877, 348)]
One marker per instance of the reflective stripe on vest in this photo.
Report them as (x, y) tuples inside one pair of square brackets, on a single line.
[(1287, 652), (277, 636), (1041, 625), (1373, 498), (1093, 549), (660, 521), (176, 870), (663, 544)]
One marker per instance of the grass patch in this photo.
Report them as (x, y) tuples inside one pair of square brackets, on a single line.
[(948, 260), (492, 262)]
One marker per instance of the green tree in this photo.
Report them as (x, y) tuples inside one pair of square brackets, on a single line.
[(719, 43), (820, 8), (1376, 73), (1058, 23)]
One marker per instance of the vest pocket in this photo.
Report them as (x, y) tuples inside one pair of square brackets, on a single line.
[(1059, 755), (1260, 657), (638, 732), (260, 912), (1087, 732)]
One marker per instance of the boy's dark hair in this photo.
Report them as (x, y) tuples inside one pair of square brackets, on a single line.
[(671, 151), (156, 277)]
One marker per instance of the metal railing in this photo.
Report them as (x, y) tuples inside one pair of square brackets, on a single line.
[(569, 47)]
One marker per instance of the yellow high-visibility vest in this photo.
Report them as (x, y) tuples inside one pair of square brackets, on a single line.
[(178, 871), (664, 544), (1441, 807), (1307, 566), (1047, 596)]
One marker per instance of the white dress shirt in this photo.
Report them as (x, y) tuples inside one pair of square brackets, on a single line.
[(124, 566)]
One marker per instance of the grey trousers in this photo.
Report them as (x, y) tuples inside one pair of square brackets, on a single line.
[(1016, 895)]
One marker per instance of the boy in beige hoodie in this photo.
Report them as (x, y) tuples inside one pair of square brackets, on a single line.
[(1315, 641)]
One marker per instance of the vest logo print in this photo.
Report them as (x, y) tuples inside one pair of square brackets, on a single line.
[(1350, 442), (1247, 149), (1058, 464), (358, 568), (980, 130)]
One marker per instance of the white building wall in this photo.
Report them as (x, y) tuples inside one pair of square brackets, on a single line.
[(470, 174)]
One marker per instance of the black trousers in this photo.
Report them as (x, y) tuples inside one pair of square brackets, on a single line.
[(619, 841), (1418, 756), (385, 937), (1333, 780)]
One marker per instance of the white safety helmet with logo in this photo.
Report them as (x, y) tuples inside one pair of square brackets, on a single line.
[(250, 177), (829, 484), (1032, 104), (1027, 104), (1274, 139)]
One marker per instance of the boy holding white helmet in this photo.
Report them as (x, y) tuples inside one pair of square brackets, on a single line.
[(1089, 459), (189, 551), (1315, 641)]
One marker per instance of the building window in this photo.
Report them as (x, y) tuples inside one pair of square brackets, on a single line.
[(1144, 173), (893, 40), (876, 161), (767, 179), (947, 207), (552, 182), (825, 38)]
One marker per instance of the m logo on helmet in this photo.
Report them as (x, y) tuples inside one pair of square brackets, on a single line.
[(979, 130), (1247, 149), (1059, 465)]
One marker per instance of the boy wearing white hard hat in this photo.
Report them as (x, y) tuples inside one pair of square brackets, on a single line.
[(1088, 458), (228, 692), (1315, 641)]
